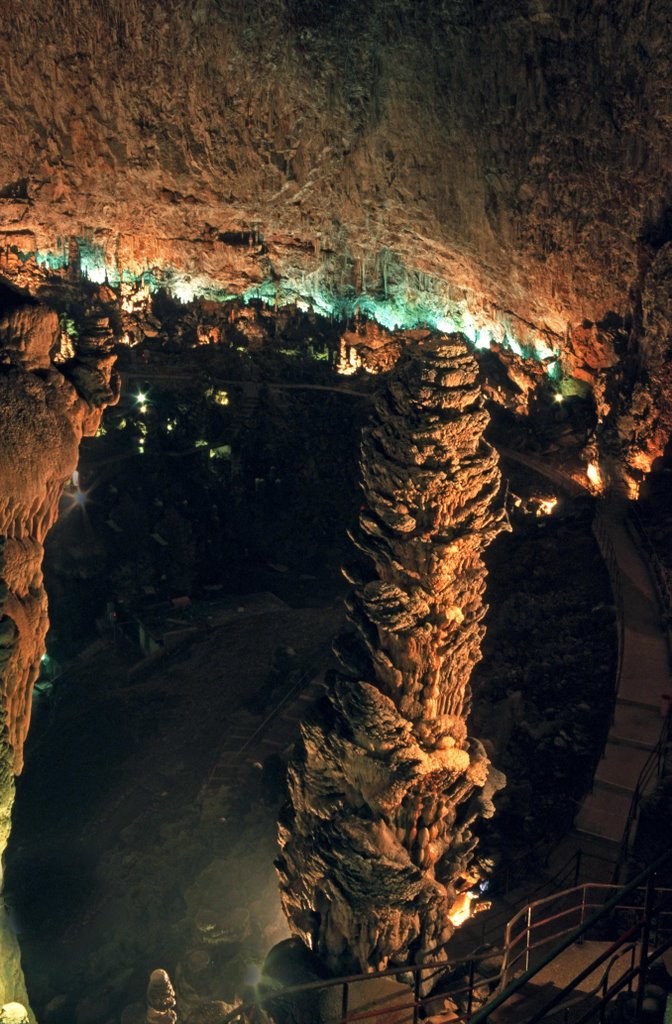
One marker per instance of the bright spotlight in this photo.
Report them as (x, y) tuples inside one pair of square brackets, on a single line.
[(558, 397), (141, 398)]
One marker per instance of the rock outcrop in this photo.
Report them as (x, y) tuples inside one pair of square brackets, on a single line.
[(45, 409), (377, 842)]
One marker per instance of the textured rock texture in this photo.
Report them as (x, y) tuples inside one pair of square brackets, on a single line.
[(45, 409), (516, 151), (47, 403), (160, 999), (377, 843)]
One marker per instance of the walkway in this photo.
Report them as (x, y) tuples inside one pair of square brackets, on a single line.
[(644, 676)]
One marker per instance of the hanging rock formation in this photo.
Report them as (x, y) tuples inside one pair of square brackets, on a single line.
[(47, 403), (377, 841)]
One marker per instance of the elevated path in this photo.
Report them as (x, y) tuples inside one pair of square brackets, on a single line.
[(643, 679)]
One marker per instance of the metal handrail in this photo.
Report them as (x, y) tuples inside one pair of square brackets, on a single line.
[(657, 758), (608, 552), (526, 933), (660, 575), (515, 986), (316, 662), (420, 972), (646, 959)]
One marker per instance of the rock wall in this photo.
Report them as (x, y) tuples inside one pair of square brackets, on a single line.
[(519, 151), (47, 403), (45, 409), (377, 842)]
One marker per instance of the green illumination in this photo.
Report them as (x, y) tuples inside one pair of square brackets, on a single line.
[(407, 299), (51, 260), (553, 369)]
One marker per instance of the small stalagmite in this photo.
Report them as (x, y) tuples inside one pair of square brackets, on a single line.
[(160, 999), (385, 785)]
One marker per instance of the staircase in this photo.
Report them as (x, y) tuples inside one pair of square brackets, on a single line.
[(566, 958)]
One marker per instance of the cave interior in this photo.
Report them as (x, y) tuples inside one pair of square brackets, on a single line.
[(328, 333)]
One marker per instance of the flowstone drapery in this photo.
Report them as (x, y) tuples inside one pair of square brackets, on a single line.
[(376, 842)]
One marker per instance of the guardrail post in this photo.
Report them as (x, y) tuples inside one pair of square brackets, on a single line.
[(344, 1002), (528, 930), (583, 911), (470, 997), (505, 959), (605, 989), (644, 947), (416, 995)]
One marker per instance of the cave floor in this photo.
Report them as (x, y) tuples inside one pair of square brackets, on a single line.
[(105, 864)]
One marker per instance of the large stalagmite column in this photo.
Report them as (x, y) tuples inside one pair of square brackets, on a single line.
[(376, 843)]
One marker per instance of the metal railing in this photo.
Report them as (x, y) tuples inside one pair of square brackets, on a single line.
[(639, 914), (652, 768), (649, 929), (550, 919), (659, 574), (608, 552), (318, 660)]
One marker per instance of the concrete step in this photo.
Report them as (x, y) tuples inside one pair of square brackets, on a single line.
[(604, 813), (635, 726), (620, 767)]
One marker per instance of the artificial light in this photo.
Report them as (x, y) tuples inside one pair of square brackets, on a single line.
[(594, 475)]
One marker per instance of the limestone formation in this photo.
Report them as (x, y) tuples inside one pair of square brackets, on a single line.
[(517, 150), (44, 412), (377, 841), (45, 409), (160, 999)]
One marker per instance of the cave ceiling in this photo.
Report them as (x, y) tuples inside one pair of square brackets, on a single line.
[(512, 158)]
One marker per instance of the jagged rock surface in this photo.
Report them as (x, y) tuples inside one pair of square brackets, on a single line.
[(518, 150), (44, 412), (47, 403), (386, 784)]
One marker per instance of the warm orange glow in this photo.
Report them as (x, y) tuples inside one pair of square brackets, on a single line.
[(594, 476), (461, 909), (546, 506), (348, 359), (633, 489), (642, 461)]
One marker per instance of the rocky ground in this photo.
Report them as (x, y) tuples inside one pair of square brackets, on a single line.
[(119, 853)]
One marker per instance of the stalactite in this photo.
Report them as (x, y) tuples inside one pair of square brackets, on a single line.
[(376, 842)]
